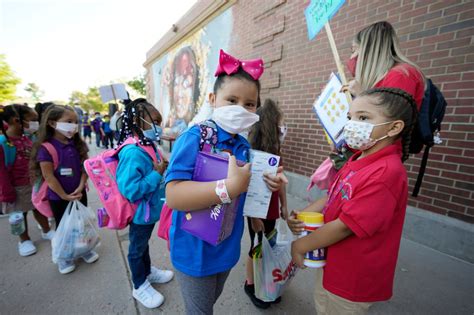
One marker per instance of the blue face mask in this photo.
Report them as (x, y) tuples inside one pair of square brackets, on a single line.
[(151, 134)]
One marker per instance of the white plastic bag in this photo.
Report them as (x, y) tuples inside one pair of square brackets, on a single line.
[(76, 234), (273, 267)]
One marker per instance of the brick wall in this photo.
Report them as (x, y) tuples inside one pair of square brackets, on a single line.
[(437, 35)]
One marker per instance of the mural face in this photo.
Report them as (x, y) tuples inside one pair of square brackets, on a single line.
[(183, 77)]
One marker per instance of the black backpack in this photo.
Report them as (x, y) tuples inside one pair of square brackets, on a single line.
[(426, 132)]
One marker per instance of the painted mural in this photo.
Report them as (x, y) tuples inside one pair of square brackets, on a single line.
[(184, 76)]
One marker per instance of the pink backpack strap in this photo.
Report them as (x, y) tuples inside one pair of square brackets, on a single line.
[(52, 151), (148, 148)]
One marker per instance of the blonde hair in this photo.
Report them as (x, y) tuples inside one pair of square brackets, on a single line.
[(379, 51)]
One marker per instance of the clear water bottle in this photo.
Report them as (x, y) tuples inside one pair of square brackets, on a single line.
[(17, 223)]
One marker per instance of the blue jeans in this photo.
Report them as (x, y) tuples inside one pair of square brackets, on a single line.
[(138, 252)]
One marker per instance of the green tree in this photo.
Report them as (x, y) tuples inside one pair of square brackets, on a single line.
[(35, 91), (89, 101), (8, 81), (138, 84)]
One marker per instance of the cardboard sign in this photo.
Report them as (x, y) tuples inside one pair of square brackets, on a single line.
[(318, 13), (113, 92), (331, 107)]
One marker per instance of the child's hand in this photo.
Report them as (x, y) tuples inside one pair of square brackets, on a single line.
[(160, 167), (274, 183), (257, 225), (296, 226), (298, 258), (72, 197), (238, 178)]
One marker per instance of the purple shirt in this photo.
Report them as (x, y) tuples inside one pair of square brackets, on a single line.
[(96, 124), (69, 170)]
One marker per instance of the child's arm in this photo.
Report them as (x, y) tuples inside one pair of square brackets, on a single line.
[(283, 203), (190, 195), (82, 184), (297, 226), (327, 235), (47, 170), (134, 179)]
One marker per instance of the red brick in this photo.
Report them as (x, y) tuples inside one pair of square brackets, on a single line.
[(453, 191), (432, 208), (465, 33), (453, 44), (448, 61), (449, 205)]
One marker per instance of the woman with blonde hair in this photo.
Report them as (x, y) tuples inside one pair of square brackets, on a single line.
[(377, 61)]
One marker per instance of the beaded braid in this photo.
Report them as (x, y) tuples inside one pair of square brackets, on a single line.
[(410, 120), (132, 113)]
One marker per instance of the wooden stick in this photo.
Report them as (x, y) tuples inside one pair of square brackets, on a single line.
[(339, 65)]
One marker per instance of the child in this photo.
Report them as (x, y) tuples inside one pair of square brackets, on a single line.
[(107, 133), (22, 121), (365, 206), (202, 269), (86, 128), (138, 179), (66, 183), (96, 123), (266, 135)]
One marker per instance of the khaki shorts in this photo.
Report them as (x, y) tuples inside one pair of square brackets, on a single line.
[(22, 203), (331, 304)]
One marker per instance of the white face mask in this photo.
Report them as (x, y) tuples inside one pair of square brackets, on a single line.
[(33, 127), (283, 132), (66, 129), (357, 134), (234, 118)]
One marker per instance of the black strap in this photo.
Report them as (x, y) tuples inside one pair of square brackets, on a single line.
[(421, 173)]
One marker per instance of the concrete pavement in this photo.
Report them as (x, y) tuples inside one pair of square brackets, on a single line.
[(427, 281)]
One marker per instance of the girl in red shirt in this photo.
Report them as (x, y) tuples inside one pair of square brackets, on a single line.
[(377, 61), (365, 206)]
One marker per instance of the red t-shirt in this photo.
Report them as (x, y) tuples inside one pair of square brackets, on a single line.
[(370, 197), (20, 175), (406, 78)]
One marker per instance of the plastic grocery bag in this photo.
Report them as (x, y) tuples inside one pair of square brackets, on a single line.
[(273, 267), (76, 234)]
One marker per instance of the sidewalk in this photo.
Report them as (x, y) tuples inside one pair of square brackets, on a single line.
[(427, 282)]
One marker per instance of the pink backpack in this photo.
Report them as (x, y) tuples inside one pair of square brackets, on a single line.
[(102, 170), (39, 195)]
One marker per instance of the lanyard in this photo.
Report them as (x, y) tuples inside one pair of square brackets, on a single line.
[(334, 192)]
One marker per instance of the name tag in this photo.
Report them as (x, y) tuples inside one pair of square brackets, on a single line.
[(66, 172)]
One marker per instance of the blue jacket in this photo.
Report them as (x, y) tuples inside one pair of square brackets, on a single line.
[(137, 180)]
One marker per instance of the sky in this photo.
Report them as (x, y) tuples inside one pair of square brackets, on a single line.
[(68, 45)]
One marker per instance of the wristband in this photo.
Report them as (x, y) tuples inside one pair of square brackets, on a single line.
[(221, 192)]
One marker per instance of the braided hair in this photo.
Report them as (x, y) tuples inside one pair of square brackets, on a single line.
[(131, 123), (398, 105), (13, 111)]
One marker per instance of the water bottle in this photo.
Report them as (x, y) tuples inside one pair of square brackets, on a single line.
[(17, 223)]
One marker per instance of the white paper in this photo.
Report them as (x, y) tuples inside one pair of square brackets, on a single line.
[(107, 92), (331, 108), (258, 194)]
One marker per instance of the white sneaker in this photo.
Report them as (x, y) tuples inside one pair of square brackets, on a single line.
[(26, 248), (90, 257), (148, 296), (48, 236), (160, 276), (66, 266)]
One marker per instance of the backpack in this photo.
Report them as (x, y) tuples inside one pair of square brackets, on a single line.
[(102, 171), (426, 132), (208, 140), (39, 194)]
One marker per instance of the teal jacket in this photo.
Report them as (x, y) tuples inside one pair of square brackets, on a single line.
[(138, 181)]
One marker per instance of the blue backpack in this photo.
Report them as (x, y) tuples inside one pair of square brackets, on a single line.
[(426, 132)]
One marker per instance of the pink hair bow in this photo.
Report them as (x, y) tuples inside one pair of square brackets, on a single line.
[(230, 65)]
